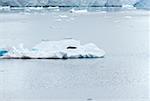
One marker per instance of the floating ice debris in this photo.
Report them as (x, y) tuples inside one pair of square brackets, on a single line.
[(35, 8), (56, 7), (63, 49), (78, 11)]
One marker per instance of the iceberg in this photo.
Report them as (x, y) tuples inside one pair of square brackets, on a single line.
[(63, 49)]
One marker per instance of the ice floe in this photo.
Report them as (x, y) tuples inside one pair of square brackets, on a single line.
[(63, 49)]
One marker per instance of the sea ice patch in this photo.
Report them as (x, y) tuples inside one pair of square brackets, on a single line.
[(63, 49)]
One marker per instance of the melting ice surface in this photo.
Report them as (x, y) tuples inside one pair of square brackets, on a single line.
[(63, 49)]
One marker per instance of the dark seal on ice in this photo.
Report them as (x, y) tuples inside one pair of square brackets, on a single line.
[(71, 47)]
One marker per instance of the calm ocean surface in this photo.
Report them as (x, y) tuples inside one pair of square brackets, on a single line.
[(123, 73)]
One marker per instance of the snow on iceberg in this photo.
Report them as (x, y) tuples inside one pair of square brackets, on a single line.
[(64, 49)]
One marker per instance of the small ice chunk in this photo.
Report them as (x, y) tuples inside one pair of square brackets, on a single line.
[(78, 11), (35, 8), (56, 7)]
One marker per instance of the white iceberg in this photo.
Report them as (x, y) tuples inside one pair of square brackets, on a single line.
[(63, 49)]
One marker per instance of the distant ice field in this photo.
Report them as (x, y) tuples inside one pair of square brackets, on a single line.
[(8, 9)]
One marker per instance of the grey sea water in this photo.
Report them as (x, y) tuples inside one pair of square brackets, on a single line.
[(123, 75)]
